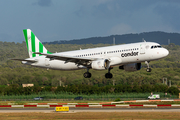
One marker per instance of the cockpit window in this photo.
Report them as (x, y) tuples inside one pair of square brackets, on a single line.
[(156, 46)]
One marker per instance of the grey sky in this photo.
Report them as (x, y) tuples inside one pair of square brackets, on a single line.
[(53, 20)]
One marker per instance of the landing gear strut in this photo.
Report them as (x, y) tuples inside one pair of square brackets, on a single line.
[(109, 75), (148, 68), (87, 74)]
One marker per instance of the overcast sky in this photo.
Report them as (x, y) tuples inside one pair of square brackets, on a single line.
[(53, 20)]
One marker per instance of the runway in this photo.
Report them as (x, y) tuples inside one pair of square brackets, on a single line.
[(75, 110)]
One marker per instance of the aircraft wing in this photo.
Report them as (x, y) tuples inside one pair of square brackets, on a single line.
[(77, 60)]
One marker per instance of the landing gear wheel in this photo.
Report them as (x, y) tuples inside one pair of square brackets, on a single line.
[(148, 69), (87, 75), (108, 75)]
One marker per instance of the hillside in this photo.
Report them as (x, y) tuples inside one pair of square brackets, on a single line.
[(159, 37), (16, 73)]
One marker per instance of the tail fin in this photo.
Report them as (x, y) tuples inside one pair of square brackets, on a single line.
[(33, 44)]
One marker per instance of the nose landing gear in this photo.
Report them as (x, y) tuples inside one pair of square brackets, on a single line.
[(148, 68)]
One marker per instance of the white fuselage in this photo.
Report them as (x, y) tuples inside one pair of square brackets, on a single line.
[(117, 54)]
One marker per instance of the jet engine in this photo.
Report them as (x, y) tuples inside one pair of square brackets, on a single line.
[(131, 67), (100, 64)]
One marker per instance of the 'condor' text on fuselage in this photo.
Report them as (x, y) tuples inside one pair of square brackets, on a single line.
[(129, 54)]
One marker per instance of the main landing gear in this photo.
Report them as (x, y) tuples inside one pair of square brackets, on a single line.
[(109, 75), (87, 74), (148, 68)]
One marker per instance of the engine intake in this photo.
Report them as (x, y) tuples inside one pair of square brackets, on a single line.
[(100, 64)]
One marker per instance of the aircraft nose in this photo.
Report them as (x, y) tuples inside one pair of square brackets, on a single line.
[(165, 52)]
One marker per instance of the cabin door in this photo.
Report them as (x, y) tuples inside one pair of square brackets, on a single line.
[(142, 49)]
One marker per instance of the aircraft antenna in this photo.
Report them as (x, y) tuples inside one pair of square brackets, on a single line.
[(143, 40)]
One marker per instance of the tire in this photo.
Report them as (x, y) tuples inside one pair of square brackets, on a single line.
[(87, 75), (108, 75), (148, 69)]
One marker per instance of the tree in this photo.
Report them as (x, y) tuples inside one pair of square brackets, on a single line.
[(173, 90)]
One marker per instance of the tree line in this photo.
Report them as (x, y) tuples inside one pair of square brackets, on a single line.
[(159, 37), (15, 89)]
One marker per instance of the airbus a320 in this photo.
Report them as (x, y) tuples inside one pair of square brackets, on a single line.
[(126, 56)]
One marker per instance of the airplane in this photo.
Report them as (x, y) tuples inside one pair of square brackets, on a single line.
[(125, 56)]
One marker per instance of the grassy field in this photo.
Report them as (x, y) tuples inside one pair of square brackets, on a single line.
[(84, 101), (64, 96), (91, 116)]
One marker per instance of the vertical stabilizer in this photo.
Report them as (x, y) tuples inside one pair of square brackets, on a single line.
[(33, 44)]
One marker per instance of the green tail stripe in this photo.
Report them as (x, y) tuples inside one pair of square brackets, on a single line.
[(40, 47), (33, 44), (49, 52), (25, 35)]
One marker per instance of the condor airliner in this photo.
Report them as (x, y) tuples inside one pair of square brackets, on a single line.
[(126, 56)]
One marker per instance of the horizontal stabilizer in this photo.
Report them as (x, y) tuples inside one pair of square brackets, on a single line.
[(33, 61)]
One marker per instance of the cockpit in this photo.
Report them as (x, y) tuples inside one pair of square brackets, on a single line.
[(155, 46)]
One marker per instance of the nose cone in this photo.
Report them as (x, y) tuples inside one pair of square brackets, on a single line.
[(165, 52)]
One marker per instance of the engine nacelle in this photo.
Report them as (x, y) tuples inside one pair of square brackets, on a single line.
[(115, 61), (131, 67), (100, 64)]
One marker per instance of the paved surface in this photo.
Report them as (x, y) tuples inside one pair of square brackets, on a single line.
[(74, 110)]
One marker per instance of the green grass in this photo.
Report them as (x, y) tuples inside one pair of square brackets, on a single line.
[(70, 96)]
